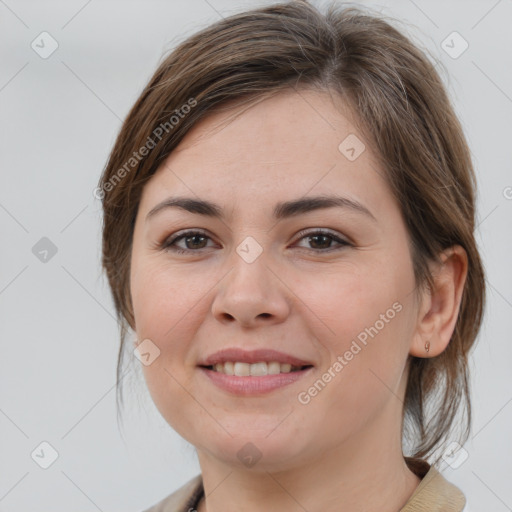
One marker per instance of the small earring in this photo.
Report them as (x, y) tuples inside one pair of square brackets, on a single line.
[(427, 346)]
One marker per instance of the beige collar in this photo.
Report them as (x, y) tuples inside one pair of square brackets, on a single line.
[(435, 494)]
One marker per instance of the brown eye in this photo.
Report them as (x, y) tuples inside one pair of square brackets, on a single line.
[(194, 240), (321, 240)]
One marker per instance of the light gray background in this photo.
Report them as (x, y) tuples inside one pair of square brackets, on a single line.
[(59, 119)]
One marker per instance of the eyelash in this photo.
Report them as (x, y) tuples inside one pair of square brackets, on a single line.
[(168, 244)]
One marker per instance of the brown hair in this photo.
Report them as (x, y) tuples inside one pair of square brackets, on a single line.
[(402, 108)]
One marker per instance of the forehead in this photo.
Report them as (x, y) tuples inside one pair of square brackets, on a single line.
[(293, 144)]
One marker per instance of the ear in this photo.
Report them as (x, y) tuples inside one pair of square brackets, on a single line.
[(439, 308)]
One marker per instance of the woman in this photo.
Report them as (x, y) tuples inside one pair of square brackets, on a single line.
[(288, 229)]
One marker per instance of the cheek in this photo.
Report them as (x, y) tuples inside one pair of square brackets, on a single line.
[(163, 301), (348, 299), (165, 304), (365, 326)]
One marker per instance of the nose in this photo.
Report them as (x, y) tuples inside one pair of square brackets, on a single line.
[(252, 294)]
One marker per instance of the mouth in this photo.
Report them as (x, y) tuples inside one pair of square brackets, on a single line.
[(269, 357), (259, 369), (256, 372)]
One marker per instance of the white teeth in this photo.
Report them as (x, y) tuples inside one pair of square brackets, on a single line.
[(259, 369), (242, 369), (274, 368), (255, 369)]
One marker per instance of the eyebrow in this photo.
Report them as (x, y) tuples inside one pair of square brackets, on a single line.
[(281, 210)]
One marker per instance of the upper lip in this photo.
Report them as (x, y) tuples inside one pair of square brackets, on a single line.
[(252, 356)]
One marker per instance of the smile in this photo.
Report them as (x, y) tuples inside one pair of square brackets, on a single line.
[(248, 379), (255, 369)]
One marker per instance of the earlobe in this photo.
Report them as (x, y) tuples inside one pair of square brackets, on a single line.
[(440, 306)]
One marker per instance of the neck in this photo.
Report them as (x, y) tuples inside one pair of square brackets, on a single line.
[(366, 472)]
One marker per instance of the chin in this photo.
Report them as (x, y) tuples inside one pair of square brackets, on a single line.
[(254, 448)]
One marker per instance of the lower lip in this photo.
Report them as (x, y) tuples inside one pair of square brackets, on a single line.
[(250, 385)]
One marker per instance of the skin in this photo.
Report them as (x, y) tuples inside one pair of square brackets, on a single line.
[(342, 450)]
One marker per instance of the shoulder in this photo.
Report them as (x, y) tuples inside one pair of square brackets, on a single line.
[(435, 493), (181, 499)]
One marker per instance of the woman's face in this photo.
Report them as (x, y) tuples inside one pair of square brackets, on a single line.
[(259, 277)]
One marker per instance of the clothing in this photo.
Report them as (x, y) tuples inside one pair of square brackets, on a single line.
[(433, 494)]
